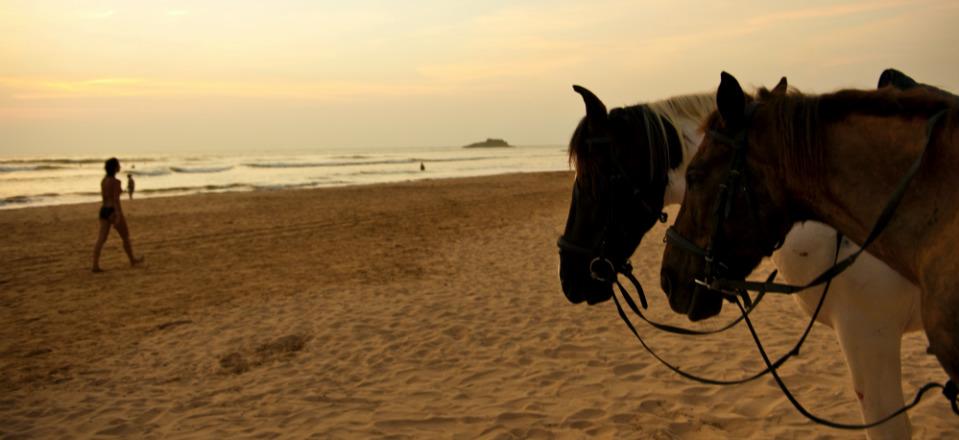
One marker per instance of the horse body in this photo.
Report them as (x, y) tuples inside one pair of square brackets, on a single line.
[(920, 241), (865, 142), (870, 307)]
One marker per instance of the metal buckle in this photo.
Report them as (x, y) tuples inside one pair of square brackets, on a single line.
[(595, 275)]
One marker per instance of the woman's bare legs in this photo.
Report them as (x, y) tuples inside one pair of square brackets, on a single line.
[(101, 238), (121, 227)]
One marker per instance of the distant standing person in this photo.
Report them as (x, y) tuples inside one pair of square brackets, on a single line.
[(422, 167), (111, 214), (131, 185)]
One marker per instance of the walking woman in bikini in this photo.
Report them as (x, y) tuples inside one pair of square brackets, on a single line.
[(111, 214)]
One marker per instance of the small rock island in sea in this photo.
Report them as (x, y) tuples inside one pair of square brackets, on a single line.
[(489, 143)]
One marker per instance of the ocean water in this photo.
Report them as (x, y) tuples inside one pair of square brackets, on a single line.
[(36, 181)]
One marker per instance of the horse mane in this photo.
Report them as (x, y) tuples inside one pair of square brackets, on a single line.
[(799, 121), (795, 121), (578, 149), (672, 110), (696, 107)]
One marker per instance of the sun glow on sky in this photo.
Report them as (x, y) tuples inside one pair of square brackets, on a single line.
[(229, 75)]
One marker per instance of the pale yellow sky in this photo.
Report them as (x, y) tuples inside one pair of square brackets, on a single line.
[(121, 76)]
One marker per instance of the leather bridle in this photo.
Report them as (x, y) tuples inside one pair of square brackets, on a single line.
[(735, 182), (617, 182)]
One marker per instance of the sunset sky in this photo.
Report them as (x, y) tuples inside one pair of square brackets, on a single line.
[(80, 77)]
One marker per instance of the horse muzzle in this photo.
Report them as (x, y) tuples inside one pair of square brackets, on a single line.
[(586, 280)]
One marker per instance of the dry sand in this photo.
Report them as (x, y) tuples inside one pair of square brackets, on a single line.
[(427, 309)]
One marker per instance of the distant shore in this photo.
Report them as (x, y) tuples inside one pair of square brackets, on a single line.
[(490, 143)]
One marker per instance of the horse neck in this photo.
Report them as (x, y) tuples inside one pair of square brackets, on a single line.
[(865, 157), (691, 134)]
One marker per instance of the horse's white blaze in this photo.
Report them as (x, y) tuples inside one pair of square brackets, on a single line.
[(870, 306)]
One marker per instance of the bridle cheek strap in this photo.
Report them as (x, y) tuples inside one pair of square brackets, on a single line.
[(676, 238)]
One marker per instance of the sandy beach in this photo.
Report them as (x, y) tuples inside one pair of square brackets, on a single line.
[(427, 309)]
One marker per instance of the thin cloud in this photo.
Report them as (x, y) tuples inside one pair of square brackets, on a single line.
[(34, 89), (100, 15), (467, 72), (677, 43), (826, 12)]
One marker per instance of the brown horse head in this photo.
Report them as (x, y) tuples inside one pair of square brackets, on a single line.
[(621, 159), (731, 217), (760, 169)]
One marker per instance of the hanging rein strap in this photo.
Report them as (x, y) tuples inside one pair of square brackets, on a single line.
[(949, 389), (677, 370), (770, 368), (627, 272)]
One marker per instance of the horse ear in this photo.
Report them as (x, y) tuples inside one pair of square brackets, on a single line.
[(595, 110), (781, 87), (897, 79), (731, 101)]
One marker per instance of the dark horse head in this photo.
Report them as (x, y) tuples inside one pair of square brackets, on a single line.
[(622, 159), (735, 210)]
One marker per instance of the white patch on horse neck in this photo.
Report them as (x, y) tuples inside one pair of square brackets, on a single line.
[(692, 137)]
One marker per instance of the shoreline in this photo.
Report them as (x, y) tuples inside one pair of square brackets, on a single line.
[(144, 194), (54, 181)]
